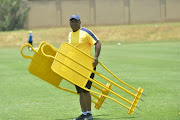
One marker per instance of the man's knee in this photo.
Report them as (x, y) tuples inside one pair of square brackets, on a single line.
[(86, 94)]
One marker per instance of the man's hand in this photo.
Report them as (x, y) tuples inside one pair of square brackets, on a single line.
[(95, 62)]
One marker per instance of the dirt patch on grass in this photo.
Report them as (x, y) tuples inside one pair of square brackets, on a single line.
[(123, 33)]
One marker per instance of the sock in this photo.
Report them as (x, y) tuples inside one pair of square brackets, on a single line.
[(88, 112), (84, 113)]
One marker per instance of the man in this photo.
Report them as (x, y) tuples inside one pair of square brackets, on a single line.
[(30, 40), (83, 39)]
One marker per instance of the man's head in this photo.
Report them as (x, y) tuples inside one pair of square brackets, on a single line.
[(75, 22)]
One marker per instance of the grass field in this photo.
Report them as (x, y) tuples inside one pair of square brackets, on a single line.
[(154, 66)]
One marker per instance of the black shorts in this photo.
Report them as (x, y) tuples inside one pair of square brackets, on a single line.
[(88, 85), (30, 42)]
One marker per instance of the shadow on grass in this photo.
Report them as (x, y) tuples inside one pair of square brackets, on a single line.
[(96, 118), (104, 115), (118, 118)]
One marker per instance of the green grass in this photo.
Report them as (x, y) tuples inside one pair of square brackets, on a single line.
[(154, 66)]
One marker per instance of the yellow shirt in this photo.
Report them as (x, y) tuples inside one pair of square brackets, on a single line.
[(83, 39)]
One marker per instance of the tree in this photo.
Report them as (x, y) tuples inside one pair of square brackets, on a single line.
[(13, 14)]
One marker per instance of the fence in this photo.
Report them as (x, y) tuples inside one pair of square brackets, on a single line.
[(55, 13)]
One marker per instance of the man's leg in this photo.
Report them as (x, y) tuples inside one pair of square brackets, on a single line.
[(82, 102), (87, 101), (30, 42), (86, 105)]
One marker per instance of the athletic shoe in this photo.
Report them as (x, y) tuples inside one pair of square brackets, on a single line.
[(88, 117), (81, 117)]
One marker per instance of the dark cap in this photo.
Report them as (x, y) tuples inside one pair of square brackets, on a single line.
[(75, 17)]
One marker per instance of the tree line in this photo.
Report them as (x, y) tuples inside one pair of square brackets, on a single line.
[(13, 14)]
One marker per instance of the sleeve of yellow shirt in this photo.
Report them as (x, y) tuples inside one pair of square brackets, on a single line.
[(92, 39)]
